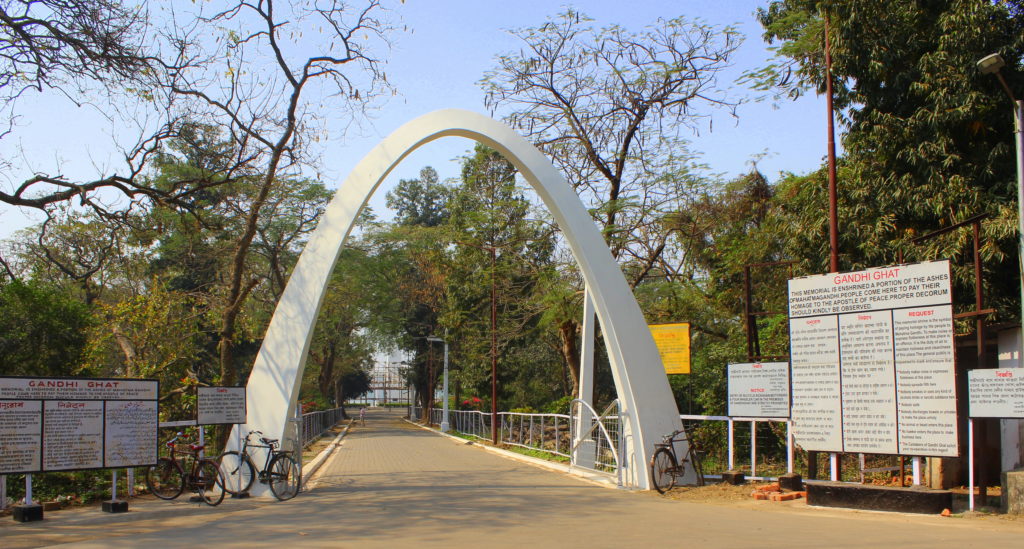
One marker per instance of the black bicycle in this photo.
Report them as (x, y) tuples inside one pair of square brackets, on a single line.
[(280, 469), (666, 467)]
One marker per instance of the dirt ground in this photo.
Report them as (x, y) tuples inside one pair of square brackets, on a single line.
[(740, 496)]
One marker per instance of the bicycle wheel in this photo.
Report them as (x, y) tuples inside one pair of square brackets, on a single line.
[(209, 482), (238, 472), (284, 476), (663, 470), (165, 479)]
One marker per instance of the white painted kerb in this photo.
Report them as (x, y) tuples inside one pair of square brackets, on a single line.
[(647, 402)]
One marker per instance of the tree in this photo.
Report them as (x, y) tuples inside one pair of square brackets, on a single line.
[(927, 143), (42, 330), (488, 211), (609, 107), (266, 115)]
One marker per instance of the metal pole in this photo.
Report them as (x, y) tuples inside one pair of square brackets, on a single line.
[(917, 470), (732, 455), (444, 413), (833, 203), (789, 446), (970, 463), (113, 485), (28, 489), (494, 350), (753, 448), (1018, 130)]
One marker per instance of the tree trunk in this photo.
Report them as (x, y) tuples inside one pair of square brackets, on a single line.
[(568, 333)]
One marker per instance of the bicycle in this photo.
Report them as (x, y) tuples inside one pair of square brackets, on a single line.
[(168, 479), (665, 467), (280, 470)]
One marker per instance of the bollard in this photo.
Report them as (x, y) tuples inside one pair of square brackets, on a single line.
[(114, 505), (30, 511)]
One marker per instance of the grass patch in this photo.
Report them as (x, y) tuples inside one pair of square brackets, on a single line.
[(532, 452)]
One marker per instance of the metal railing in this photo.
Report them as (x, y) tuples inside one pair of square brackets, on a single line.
[(727, 442), (549, 433), (315, 424), (597, 438)]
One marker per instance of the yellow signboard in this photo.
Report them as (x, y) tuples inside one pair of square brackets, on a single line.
[(673, 341)]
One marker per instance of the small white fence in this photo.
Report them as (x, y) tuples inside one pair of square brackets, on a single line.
[(712, 451)]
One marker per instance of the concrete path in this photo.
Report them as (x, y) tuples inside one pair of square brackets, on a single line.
[(391, 484)]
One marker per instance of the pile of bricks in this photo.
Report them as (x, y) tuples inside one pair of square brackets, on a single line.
[(772, 492)]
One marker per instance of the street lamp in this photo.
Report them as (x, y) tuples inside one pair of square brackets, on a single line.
[(444, 391), (991, 64)]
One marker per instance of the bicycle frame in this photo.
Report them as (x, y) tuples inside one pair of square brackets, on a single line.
[(191, 474), (263, 474)]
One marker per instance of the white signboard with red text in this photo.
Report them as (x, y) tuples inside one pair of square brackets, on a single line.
[(996, 393), (759, 389), (64, 424), (872, 361), (220, 405)]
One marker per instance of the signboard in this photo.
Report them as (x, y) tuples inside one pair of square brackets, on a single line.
[(64, 424), (759, 389), (673, 341), (996, 393), (872, 361), (220, 405)]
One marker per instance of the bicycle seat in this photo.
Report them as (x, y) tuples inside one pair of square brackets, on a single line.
[(196, 447), (270, 441)]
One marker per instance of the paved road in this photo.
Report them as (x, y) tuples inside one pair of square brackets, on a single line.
[(391, 484)]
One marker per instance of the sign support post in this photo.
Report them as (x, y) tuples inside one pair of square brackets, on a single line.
[(970, 463)]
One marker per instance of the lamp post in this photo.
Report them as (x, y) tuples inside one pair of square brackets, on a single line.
[(444, 390), (991, 64)]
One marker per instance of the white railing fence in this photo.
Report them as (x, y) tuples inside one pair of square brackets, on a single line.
[(597, 438), (549, 433), (727, 443)]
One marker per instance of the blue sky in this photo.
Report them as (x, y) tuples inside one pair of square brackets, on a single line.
[(436, 64)]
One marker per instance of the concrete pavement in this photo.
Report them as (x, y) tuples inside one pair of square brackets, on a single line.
[(391, 484)]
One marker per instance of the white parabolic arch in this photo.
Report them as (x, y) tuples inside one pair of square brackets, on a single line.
[(647, 403)]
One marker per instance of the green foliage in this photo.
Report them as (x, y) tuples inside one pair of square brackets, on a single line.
[(929, 137), (42, 330)]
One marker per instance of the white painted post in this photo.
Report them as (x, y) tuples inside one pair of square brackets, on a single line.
[(917, 470), (753, 448), (833, 462), (113, 485), (586, 448), (3, 492), (130, 475), (28, 489), (732, 454), (789, 446), (202, 439), (970, 463)]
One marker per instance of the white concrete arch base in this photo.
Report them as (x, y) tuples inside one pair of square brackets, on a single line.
[(646, 399)]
